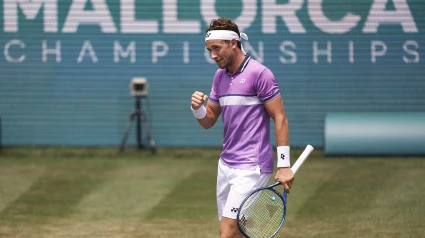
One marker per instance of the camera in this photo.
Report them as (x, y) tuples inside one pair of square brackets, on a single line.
[(139, 87)]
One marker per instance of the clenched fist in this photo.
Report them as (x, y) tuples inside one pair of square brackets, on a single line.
[(198, 99)]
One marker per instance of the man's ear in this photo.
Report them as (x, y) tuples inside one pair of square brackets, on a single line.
[(234, 43)]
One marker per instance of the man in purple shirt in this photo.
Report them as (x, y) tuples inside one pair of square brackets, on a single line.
[(246, 93)]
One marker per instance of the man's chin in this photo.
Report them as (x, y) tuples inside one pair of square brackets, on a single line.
[(220, 65)]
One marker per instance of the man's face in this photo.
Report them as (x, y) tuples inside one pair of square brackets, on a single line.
[(221, 52)]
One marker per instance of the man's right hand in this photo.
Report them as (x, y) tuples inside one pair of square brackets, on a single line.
[(198, 99)]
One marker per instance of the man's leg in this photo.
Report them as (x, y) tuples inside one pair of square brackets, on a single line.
[(222, 189), (229, 228), (242, 182)]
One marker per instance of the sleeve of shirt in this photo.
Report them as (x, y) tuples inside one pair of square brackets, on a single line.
[(266, 86), (214, 89)]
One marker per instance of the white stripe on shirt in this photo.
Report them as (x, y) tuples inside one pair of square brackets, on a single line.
[(239, 100)]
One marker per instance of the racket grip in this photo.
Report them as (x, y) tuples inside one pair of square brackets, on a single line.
[(302, 158)]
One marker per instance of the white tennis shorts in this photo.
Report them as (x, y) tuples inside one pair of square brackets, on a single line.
[(233, 185)]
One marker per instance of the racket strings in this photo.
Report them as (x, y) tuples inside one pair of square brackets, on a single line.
[(262, 213)]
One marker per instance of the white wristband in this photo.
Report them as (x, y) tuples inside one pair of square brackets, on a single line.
[(200, 113), (283, 158)]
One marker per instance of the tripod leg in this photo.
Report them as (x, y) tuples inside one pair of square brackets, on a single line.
[(139, 129), (148, 134), (127, 132)]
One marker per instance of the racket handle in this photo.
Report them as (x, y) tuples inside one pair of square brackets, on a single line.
[(302, 158)]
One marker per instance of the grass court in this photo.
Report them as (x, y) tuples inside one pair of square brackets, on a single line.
[(100, 193)]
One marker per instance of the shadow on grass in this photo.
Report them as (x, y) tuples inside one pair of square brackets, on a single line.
[(193, 199), (55, 194)]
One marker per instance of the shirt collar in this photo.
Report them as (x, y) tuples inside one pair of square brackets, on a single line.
[(243, 65)]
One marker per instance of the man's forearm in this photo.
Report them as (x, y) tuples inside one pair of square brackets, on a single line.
[(282, 132), (208, 121)]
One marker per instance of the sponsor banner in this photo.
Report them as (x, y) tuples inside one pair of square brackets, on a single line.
[(62, 58)]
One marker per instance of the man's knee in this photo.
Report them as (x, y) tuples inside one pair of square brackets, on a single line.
[(229, 228)]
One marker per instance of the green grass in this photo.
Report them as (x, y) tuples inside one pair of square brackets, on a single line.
[(88, 192)]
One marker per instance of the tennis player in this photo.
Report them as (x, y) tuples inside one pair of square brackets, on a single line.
[(247, 94)]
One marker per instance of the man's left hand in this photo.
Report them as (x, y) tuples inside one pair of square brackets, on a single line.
[(286, 177)]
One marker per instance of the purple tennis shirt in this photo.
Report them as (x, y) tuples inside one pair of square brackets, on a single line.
[(241, 96)]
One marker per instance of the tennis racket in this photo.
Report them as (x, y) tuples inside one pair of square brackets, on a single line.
[(263, 211)]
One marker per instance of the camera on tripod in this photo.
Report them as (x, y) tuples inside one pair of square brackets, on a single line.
[(139, 87)]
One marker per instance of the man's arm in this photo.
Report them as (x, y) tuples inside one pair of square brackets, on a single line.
[(206, 116), (276, 111)]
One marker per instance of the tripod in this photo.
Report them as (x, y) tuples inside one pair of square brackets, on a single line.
[(140, 119)]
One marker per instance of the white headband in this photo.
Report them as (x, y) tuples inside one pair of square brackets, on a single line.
[(225, 35)]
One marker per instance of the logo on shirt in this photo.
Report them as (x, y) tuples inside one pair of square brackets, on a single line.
[(234, 209), (242, 81)]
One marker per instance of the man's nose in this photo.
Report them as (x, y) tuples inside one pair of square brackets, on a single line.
[(213, 56)]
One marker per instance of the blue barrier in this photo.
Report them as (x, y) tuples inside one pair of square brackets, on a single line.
[(1, 144), (375, 133)]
